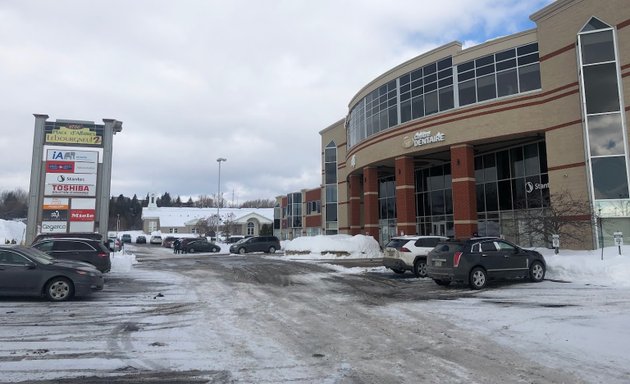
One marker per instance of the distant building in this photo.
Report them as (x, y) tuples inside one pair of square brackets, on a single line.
[(298, 214), (243, 221)]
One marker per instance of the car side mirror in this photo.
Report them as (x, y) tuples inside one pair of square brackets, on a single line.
[(31, 265)]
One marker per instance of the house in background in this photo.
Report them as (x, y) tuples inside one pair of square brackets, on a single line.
[(184, 220)]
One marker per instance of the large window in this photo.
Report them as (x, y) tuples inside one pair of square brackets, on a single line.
[(604, 125), (330, 187), (294, 210), (434, 200)]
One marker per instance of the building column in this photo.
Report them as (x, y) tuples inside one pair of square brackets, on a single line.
[(405, 196), (354, 191), (464, 190), (370, 201)]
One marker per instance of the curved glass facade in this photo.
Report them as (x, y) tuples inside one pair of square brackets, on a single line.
[(441, 86)]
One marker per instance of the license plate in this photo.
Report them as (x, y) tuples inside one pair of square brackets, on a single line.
[(437, 263)]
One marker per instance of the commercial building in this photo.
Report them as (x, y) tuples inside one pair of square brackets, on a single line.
[(487, 140)]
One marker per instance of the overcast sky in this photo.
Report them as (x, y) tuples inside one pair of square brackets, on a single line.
[(251, 81)]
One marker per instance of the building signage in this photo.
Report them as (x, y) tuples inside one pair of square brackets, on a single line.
[(531, 187), (70, 178), (59, 167), (52, 203), (61, 155), (83, 167), (54, 227), (425, 137), (55, 215), (74, 134), (82, 215), (70, 190)]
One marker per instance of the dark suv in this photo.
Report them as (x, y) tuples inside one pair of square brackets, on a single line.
[(475, 261), (267, 244), (78, 249)]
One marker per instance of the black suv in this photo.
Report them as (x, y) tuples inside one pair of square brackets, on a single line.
[(267, 244), (78, 249), (477, 260)]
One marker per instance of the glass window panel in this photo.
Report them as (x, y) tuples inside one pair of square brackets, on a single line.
[(489, 167), (507, 83), (445, 73), (393, 116), (527, 49), (485, 70), (445, 63), (462, 76), (431, 103), (331, 173), (597, 47), (467, 92), (546, 199), (529, 77), (466, 66), (532, 163), (448, 179), (429, 69), (505, 55), (437, 202), (600, 85), (518, 163), (446, 82), (481, 197), (503, 165), (417, 107), (605, 135), (609, 177), (416, 83), (417, 92), (331, 194), (506, 64), (436, 180), (405, 88), (430, 78), (405, 96), (524, 60), (542, 157), (594, 24), (491, 197), (505, 195), (448, 201), (420, 182), (330, 154), (430, 87), (427, 204), (405, 111), (420, 204), (518, 193), (331, 212), (486, 88), (446, 98), (405, 79), (480, 62), (533, 190), (417, 74), (479, 169)]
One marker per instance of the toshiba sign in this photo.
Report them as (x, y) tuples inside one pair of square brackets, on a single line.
[(70, 190)]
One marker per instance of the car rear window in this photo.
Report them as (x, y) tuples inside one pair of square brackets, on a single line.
[(448, 247), (396, 243)]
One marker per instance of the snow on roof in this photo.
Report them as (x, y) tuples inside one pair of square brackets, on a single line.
[(178, 217)]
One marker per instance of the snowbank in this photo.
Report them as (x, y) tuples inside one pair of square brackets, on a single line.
[(358, 246), (588, 266), (122, 262), (12, 230)]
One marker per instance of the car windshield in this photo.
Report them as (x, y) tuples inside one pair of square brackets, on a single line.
[(242, 240), (396, 243), (38, 256)]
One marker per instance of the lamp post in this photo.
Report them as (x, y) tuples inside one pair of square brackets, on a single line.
[(219, 160)]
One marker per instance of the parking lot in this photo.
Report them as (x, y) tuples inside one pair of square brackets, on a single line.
[(250, 319)]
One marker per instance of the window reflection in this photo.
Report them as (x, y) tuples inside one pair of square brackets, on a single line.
[(605, 135), (609, 177)]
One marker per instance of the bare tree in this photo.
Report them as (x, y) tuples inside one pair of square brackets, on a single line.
[(568, 216), (259, 203), (204, 201), (13, 204)]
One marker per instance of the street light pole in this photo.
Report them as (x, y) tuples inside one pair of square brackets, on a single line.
[(219, 160)]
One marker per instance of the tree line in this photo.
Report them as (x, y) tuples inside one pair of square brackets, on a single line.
[(125, 213)]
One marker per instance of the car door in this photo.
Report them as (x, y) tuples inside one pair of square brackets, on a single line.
[(515, 261), (17, 275), (73, 250), (492, 259)]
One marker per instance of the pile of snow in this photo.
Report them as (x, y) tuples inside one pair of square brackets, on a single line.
[(358, 246), (122, 261), (590, 267), (12, 230)]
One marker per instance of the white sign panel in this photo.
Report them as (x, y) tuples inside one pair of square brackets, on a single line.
[(69, 190), (70, 179), (54, 227), (84, 167), (83, 204), (81, 226), (65, 155)]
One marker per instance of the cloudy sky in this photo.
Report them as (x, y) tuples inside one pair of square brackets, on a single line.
[(253, 81)]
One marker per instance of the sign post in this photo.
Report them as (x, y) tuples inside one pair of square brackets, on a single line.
[(618, 240), (555, 241)]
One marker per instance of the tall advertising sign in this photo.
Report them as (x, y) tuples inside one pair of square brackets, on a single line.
[(71, 176)]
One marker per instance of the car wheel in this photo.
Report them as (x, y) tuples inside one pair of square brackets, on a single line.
[(537, 272), (241, 251), (443, 283), (191, 250), (420, 268), (272, 249), (398, 271), (59, 289), (217, 250), (478, 278)]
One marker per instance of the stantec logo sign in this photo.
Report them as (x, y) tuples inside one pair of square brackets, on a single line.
[(70, 178), (531, 187)]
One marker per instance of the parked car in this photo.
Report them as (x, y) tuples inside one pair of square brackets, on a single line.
[(267, 244), (140, 239), (114, 244), (475, 261), (77, 249), (409, 253), (29, 272), (199, 245), (156, 239), (126, 238), (168, 241), (234, 238), (83, 235)]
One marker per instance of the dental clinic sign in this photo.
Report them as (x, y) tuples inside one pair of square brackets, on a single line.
[(423, 138)]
